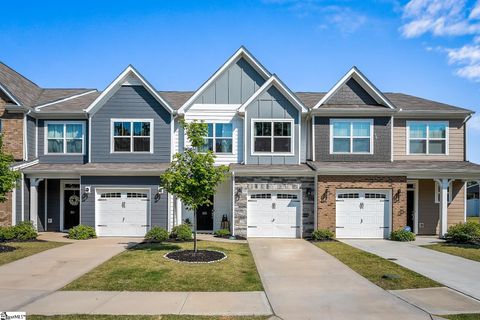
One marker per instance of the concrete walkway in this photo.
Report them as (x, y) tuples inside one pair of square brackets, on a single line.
[(33, 277), (151, 303), (304, 282), (455, 272)]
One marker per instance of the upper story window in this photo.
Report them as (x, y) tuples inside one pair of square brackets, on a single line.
[(427, 137), (351, 136), (438, 190), (272, 136), (132, 135), (219, 138), (65, 137)]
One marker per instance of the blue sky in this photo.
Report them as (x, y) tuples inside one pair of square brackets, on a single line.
[(429, 48)]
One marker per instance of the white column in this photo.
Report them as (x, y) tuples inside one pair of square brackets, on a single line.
[(34, 182), (444, 183)]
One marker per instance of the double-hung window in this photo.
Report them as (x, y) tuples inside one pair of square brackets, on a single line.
[(427, 137), (272, 136), (219, 138), (132, 135), (438, 190), (65, 137), (351, 136)]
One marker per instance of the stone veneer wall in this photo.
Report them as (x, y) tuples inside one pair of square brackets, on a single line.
[(244, 184), (326, 200)]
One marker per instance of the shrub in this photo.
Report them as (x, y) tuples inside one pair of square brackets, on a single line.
[(82, 232), (24, 231), (222, 233), (7, 233), (402, 235), (464, 232), (156, 234), (322, 235), (181, 232)]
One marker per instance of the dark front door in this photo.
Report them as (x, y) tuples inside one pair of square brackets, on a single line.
[(410, 208), (71, 208), (205, 217)]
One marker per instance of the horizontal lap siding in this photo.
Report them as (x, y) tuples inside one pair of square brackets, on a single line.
[(31, 136), (456, 209), (131, 102), (159, 207), (456, 142)]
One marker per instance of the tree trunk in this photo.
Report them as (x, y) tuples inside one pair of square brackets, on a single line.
[(195, 231)]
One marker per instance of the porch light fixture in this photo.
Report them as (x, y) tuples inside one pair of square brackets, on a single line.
[(397, 195), (238, 193), (324, 196)]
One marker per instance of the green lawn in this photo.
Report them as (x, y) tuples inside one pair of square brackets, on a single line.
[(467, 251), (474, 219), (374, 267), (167, 317), (25, 249), (144, 268), (469, 316)]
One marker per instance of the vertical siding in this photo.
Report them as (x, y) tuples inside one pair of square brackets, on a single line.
[(31, 136), (272, 105), (456, 142), (381, 141), (159, 207), (59, 158), (234, 86), (131, 102), (53, 204)]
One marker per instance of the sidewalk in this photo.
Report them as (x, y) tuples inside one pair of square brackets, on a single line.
[(151, 303)]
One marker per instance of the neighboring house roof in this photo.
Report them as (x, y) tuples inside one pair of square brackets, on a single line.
[(242, 52), (121, 168), (176, 98), (454, 168), (408, 103), (20, 89), (294, 169), (76, 104), (52, 95), (473, 188)]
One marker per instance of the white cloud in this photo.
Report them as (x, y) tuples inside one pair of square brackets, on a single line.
[(448, 18)]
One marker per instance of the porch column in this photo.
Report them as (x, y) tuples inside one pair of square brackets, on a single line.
[(34, 182), (444, 183)]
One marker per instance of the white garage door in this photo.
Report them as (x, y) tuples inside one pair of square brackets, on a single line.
[(362, 213), (274, 214), (122, 212)]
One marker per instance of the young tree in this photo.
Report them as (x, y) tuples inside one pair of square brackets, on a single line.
[(192, 176), (8, 177)]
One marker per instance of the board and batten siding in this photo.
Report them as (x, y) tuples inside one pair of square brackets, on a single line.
[(456, 149), (234, 86), (271, 104), (158, 206), (381, 141), (59, 158), (131, 102)]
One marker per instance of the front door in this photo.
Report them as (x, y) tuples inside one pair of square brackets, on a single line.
[(205, 217), (71, 208)]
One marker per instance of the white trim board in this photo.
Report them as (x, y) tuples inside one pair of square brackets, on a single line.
[(125, 77), (363, 81), (242, 52)]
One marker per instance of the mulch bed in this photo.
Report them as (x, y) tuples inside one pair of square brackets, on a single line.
[(4, 248), (202, 256)]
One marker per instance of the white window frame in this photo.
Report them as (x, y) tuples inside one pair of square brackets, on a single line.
[(449, 194), (64, 123), (351, 121), (272, 153), (447, 135), (112, 137), (214, 136)]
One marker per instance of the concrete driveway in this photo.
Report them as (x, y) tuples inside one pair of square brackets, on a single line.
[(26, 280), (455, 272), (304, 282)]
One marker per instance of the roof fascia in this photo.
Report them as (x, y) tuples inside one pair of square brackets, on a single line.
[(10, 95), (359, 77), (115, 85), (242, 52)]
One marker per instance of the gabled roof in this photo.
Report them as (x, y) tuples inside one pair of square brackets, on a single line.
[(76, 103), (277, 83), (21, 90), (363, 82), (242, 52), (117, 83)]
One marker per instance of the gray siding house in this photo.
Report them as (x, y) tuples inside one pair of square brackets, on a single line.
[(354, 160)]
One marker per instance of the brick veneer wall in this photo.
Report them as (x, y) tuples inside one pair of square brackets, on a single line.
[(326, 203), (244, 184), (12, 129)]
